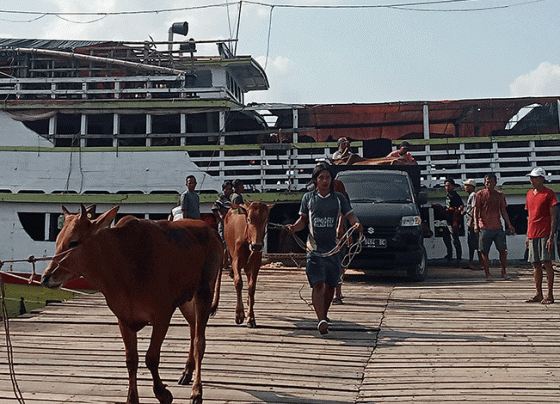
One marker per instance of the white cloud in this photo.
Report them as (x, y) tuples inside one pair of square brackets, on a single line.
[(543, 81)]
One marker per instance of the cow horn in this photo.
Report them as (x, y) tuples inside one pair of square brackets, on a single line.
[(83, 212)]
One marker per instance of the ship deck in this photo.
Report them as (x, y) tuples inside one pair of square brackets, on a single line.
[(453, 338)]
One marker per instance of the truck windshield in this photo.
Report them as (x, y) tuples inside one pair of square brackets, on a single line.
[(377, 189)]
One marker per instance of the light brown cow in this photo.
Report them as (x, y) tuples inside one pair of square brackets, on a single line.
[(145, 269), (356, 160), (244, 231)]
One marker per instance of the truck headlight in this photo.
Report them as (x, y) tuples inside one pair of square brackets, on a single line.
[(411, 221)]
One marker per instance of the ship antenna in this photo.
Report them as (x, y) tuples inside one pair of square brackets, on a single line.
[(237, 30)]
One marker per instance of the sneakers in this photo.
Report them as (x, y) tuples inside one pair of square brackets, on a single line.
[(323, 327)]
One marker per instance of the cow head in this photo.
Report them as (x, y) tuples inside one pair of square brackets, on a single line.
[(257, 221), (71, 244)]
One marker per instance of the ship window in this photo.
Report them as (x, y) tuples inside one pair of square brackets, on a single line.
[(164, 124), (198, 123), (55, 225), (101, 124), (40, 127), (67, 125), (33, 224), (133, 124), (203, 78)]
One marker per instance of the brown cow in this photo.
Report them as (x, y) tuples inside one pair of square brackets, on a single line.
[(244, 231), (356, 160), (145, 269)]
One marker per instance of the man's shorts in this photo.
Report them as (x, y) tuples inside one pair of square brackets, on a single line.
[(323, 269), (486, 237), (538, 251)]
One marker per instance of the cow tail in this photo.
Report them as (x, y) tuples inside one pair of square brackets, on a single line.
[(217, 285)]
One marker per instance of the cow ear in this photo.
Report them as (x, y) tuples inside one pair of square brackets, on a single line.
[(65, 211), (106, 218), (269, 206)]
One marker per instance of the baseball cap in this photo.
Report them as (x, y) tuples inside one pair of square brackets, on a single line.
[(470, 181), (537, 172)]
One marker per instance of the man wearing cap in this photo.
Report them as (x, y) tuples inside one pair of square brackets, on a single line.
[(403, 153), (541, 226), (343, 155), (489, 208), (343, 149), (453, 208), (472, 237)]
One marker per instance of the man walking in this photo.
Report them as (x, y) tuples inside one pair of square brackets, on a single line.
[(541, 226), (489, 205), (472, 237), (453, 209), (320, 210)]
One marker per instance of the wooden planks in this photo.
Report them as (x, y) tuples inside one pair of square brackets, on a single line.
[(466, 340), (72, 352), (452, 338)]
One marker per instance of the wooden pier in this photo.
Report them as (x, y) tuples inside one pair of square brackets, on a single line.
[(453, 338)]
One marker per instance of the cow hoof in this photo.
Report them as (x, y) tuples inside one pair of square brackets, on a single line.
[(252, 324), (239, 320), (197, 400), (165, 396), (185, 379)]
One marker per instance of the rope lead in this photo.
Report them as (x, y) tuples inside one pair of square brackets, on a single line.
[(354, 247)]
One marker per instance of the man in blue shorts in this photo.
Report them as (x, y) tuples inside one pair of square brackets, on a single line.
[(489, 208), (320, 209)]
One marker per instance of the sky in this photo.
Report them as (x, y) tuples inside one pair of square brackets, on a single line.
[(323, 51)]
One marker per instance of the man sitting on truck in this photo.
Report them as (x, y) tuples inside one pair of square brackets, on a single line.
[(403, 153), (343, 155)]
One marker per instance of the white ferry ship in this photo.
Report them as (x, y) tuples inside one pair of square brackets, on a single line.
[(108, 122)]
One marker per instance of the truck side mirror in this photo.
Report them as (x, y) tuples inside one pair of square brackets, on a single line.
[(422, 198)]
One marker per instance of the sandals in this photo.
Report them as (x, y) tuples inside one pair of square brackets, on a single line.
[(337, 300), (548, 300), (323, 327)]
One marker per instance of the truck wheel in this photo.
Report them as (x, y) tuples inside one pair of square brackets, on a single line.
[(419, 272)]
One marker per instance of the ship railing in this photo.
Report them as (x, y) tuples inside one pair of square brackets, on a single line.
[(129, 87), (288, 166), (169, 54), (510, 158)]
